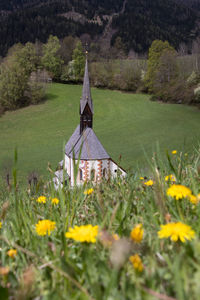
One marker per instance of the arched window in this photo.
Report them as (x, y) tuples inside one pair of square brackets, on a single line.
[(80, 174), (104, 172), (92, 175)]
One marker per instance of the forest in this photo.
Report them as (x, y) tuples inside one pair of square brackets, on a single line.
[(138, 23)]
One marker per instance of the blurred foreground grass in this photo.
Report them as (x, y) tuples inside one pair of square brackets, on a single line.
[(114, 266)]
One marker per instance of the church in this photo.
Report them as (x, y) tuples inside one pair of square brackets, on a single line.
[(85, 150)]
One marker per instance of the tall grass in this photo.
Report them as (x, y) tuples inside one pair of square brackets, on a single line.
[(54, 267)]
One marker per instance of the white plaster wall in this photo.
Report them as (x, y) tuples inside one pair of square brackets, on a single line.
[(114, 169), (107, 164)]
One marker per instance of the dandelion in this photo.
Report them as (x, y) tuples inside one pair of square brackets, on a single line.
[(193, 199), (55, 201), (41, 199), (89, 191), (170, 177), (137, 233), (149, 182), (12, 253), (45, 227), (141, 178), (174, 152), (178, 191), (84, 233), (176, 231), (137, 262), (0, 225)]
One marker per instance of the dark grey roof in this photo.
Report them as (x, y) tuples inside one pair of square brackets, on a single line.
[(86, 94), (91, 146)]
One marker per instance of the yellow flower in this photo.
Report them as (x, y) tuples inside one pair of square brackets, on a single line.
[(54, 201), (89, 191), (178, 191), (45, 227), (0, 225), (116, 237), (176, 231), (137, 262), (84, 233), (170, 177), (149, 183), (141, 178), (41, 199), (137, 233), (12, 253), (174, 151), (193, 199)]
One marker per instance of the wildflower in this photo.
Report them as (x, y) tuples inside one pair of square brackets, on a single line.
[(84, 233), (149, 182), (170, 177), (12, 253), (137, 262), (174, 152), (54, 201), (178, 191), (176, 231), (193, 199), (0, 225), (137, 233), (45, 227), (89, 191), (116, 237), (107, 239), (41, 199), (141, 178)]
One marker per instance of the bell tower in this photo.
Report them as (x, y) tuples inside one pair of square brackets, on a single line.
[(86, 105)]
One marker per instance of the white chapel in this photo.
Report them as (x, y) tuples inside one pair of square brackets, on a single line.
[(84, 148)]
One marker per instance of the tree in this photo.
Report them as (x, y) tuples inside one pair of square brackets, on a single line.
[(159, 68), (51, 60), (13, 82), (79, 61)]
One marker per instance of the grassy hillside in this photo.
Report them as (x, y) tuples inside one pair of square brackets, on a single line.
[(126, 124)]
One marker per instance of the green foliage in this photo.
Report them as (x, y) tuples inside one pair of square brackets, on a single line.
[(13, 82), (78, 61), (17, 88), (56, 267), (161, 65), (51, 60)]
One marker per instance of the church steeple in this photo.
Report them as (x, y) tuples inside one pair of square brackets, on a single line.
[(86, 105)]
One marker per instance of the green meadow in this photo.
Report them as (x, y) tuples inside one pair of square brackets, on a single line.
[(128, 125)]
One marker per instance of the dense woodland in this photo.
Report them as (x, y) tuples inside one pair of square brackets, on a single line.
[(137, 22)]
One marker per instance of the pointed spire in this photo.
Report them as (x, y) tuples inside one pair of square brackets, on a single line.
[(86, 94)]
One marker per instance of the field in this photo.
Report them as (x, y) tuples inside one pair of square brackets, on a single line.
[(127, 124), (128, 238)]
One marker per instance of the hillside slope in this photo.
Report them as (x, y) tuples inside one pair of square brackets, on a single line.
[(138, 22), (126, 124)]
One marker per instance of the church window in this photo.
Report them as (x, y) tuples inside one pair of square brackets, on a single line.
[(80, 174), (92, 175)]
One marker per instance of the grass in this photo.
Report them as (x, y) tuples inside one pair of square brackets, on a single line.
[(126, 124), (55, 266)]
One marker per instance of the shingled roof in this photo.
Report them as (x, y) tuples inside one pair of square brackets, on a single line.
[(91, 146), (86, 95)]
